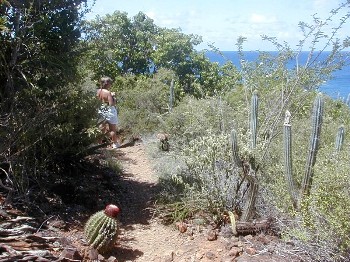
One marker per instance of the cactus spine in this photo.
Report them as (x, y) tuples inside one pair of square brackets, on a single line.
[(254, 119), (317, 114), (287, 134), (101, 230), (339, 140)]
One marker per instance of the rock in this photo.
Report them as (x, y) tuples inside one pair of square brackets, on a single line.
[(250, 250), (228, 259), (263, 239), (211, 235), (235, 251), (210, 255), (226, 231), (248, 238), (92, 254), (182, 227), (71, 254), (112, 259)]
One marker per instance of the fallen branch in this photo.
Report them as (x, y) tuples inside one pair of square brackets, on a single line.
[(244, 228)]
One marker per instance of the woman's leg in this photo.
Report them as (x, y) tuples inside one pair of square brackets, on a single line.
[(113, 133)]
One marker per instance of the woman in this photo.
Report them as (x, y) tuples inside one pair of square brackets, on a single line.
[(108, 111)]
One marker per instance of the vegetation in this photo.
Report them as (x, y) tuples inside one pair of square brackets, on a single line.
[(232, 148)]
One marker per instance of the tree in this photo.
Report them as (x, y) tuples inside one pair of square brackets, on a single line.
[(44, 114), (39, 47), (118, 45)]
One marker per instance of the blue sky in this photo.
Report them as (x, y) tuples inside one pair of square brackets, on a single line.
[(221, 22)]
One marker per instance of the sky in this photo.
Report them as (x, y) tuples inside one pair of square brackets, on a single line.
[(221, 22)]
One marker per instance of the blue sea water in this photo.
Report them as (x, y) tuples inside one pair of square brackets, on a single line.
[(338, 87)]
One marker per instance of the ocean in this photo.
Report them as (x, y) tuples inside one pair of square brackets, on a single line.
[(338, 87)]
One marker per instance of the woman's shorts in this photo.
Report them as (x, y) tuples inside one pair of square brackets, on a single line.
[(109, 114)]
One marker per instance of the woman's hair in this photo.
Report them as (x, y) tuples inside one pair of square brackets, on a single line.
[(105, 81)]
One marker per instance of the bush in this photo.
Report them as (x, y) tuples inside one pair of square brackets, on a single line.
[(194, 118), (140, 105), (48, 135)]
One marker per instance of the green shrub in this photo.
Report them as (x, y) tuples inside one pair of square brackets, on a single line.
[(194, 118), (48, 134), (140, 105)]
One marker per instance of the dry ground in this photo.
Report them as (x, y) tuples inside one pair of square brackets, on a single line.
[(143, 236)]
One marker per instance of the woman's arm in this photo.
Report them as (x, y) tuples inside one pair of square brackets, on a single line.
[(111, 99)]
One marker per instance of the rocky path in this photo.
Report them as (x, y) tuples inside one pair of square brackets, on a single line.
[(143, 237)]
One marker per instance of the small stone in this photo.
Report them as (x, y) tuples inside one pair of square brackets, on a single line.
[(182, 227), (210, 255), (228, 259), (226, 231), (250, 250), (112, 259), (71, 253), (248, 237), (92, 254), (235, 251), (211, 235), (199, 255), (262, 238)]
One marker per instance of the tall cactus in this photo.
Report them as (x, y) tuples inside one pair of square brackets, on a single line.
[(317, 115), (235, 151), (247, 168), (339, 139), (101, 230), (254, 119), (247, 175), (287, 135)]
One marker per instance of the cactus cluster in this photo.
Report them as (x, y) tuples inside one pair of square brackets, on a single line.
[(101, 229), (248, 170)]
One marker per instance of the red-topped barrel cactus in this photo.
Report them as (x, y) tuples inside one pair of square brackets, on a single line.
[(101, 230)]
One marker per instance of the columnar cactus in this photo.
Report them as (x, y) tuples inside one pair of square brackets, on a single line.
[(339, 140), (317, 115), (254, 119), (287, 134), (248, 210), (101, 230), (234, 146)]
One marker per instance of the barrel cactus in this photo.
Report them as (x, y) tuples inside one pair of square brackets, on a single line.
[(101, 229)]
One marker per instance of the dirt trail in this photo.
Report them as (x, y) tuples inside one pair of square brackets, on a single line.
[(143, 237)]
